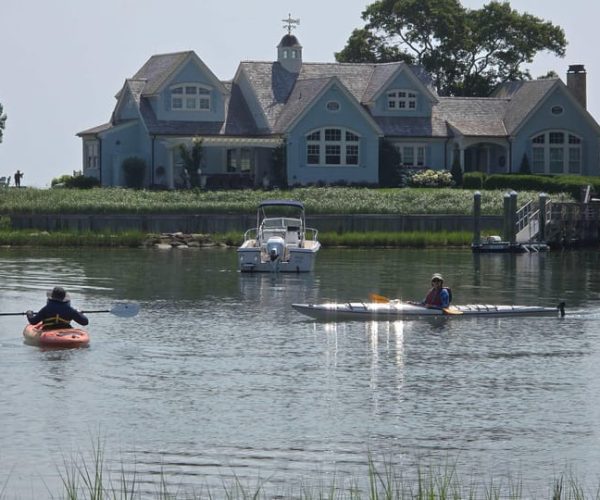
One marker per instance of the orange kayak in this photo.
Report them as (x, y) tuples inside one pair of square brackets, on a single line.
[(64, 337)]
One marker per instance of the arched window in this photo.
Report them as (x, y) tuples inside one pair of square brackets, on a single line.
[(401, 100), (556, 152), (190, 97), (332, 147)]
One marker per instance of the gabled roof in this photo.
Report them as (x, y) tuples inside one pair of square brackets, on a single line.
[(303, 96), (133, 88), (524, 97), (160, 68), (383, 74), (272, 84)]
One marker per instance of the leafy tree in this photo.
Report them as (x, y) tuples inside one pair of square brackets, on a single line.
[(192, 158), (467, 51), (364, 46), (2, 121)]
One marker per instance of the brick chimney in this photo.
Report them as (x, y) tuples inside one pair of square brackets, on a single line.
[(576, 82)]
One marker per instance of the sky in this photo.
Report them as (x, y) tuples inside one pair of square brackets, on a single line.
[(63, 61)]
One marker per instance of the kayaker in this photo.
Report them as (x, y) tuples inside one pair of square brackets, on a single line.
[(57, 313), (438, 297)]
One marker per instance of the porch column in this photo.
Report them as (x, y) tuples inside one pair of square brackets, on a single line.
[(462, 158), (169, 172)]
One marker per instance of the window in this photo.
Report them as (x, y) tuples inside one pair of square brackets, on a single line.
[(190, 97), (92, 157), (333, 106), (411, 155), (556, 110), (401, 100), (556, 152), (239, 160), (332, 146)]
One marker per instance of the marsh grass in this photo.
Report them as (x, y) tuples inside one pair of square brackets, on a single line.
[(91, 480), (28, 237), (323, 200), (133, 239)]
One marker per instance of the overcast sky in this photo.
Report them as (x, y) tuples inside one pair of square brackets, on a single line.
[(63, 61)]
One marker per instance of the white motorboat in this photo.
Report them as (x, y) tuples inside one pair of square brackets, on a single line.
[(397, 310), (280, 242)]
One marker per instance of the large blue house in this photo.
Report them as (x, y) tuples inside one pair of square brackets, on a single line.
[(330, 121)]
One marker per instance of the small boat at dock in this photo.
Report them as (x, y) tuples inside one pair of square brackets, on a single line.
[(398, 310), (280, 241)]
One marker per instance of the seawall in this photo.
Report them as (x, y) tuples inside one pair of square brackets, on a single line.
[(223, 223)]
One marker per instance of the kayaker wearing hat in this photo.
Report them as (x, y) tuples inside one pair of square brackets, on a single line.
[(438, 296), (57, 313)]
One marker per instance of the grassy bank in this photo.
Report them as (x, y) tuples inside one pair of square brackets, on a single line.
[(336, 200), (139, 239)]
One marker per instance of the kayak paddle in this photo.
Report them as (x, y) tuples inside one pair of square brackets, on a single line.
[(378, 298), (121, 309)]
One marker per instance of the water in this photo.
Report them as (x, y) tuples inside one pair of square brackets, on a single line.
[(218, 379)]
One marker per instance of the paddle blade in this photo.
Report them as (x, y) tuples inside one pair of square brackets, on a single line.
[(451, 310), (378, 298), (125, 309)]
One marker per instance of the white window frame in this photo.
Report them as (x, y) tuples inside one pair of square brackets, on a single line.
[(400, 100), (418, 154), (190, 97), (557, 152), (92, 154), (324, 145)]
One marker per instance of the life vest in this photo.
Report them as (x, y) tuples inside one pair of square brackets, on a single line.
[(433, 297), (54, 322)]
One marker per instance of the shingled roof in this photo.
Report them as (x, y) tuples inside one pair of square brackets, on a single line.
[(282, 96)]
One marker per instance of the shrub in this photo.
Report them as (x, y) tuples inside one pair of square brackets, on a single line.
[(134, 169), (474, 180), (456, 171), (525, 168), (81, 182), (389, 165), (431, 178)]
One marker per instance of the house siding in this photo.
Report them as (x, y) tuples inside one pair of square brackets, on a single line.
[(572, 120), (349, 117)]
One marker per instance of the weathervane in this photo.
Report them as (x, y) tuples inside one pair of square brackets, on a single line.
[(291, 23)]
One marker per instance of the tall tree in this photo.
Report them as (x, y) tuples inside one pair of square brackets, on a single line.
[(467, 51), (2, 121)]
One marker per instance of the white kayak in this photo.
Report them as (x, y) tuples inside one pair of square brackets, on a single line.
[(396, 309)]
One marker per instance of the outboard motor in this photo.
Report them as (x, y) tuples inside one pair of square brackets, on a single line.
[(275, 247)]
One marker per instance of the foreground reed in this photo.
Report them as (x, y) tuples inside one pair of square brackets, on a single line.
[(91, 480)]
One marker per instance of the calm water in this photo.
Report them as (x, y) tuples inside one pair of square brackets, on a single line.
[(218, 377)]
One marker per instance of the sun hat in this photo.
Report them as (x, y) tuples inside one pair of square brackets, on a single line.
[(58, 294), (437, 276)]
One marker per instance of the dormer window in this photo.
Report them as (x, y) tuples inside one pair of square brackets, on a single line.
[(190, 97), (401, 100)]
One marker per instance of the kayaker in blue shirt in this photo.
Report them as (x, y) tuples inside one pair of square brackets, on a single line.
[(57, 313), (438, 297)]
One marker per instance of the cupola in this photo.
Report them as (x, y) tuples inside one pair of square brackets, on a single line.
[(289, 50)]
